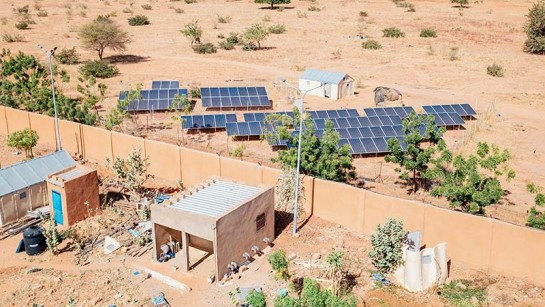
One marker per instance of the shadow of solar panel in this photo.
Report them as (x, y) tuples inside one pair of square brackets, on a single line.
[(366, 132), (381, 144), (377, 131)]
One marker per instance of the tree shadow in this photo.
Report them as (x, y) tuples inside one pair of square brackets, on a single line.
[(277, 8), (266, 48), (126, 59)]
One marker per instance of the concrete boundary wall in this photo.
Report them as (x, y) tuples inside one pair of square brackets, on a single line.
[(481, 242)]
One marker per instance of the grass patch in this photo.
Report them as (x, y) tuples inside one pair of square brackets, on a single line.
[(224, 19), (139, 20), (428, 32), (205, 48), (147, 7), (495, 70), (371, 44), (393, 32), (277, 29), (12, 38), (460, 293)]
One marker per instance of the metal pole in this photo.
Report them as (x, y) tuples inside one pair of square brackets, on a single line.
[(54, 102)]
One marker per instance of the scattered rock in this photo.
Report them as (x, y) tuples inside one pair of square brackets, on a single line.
[(292, 256), (316, 256)]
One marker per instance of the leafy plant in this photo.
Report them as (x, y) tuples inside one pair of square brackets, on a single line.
[(233, 38), (256, 299), (103, 33), (495, 70), (193, 31), (205, 48), (273, 2), (371, 44), (460, 293), (535, 29), (132, 172), (386, 246), (536, 219), (279, 264), (428, 32), (313, 295), (414, 158), (195, 92), (226, 45), (255, 34), (393, 32), (277, 29), (98, 69), (22, 25), (336, 271), (25, 139), (472, 183), (139, 20), (52, 236), (238, 152), (461, 3), (67, 56), (286, 301)]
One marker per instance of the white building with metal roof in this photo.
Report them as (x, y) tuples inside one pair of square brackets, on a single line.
[(327, 84), (23, 185)]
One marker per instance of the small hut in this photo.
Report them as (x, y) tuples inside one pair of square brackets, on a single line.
[(334, 85)]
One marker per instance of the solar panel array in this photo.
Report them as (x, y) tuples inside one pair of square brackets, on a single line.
[(245, 129), (153, 100), (448, 119), (463, 109), (161, 85), (234, 97), (357, 122), (342, 113), (399, 111), (212, 121), (260, 117), (362, 146)]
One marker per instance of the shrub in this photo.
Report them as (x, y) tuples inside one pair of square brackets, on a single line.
[(205, 48), (286, 301), (363, 14), (454, 53), (178, 10), (12, 38), (146, 7), (277, 29), (279, 264), (409, 6), (127, 10), (428, 32), (224, 19), (67, 56), (393, 32), (301, 14), (249, 47), (41, 13), (371, 44), (195, 92), (225, 45), (22, 25), (495, 70), (386, 246), (98, 69), (22, 10), (266, 18), (313, 8), (139, 20), (190, 1), (256, 299), (535, 29), (460, 293), (233, 38)]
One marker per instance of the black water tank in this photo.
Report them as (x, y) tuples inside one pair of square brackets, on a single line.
[(34, 240)]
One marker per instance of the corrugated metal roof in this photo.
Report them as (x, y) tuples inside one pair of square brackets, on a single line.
[(25, 174), (217, 199), (323, 76), (72, 174)]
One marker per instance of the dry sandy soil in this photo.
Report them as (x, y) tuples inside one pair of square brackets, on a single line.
[(485, 33)]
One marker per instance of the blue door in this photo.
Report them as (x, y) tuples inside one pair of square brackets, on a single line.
[(57, 207)]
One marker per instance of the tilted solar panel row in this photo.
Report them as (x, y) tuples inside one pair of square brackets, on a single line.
[(341, 113), (207, 121), (463, 109), (448, 119), (363, 132), (398, 111), (357, 122), (260, 117), (218, 97), (158, 100), (362, 146), (165, 84), (245, 129)]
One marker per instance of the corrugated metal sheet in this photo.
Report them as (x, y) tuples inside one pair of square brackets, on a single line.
[(323, 76), (217, 199), (71, 174), (25, 174)]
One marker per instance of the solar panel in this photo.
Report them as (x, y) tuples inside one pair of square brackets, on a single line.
[(340, 113), (158, 85), (402, 112), (153, 100), (369, 145), (448, 119), (381, 144), (259, 117), (461, 109), (234, 97), (207, 121)]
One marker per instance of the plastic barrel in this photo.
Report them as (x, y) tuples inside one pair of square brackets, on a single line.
[(34, 240)]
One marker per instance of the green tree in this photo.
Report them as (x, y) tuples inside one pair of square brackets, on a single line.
[(386, 246), (535, 29), (273, 2), (461, 3), (286, 301), (91, 91), (26, 83), (415, 159), (322, 158), (132, 173), (102, 33), (536, 218), (180, 105), (116, 116), (193, 31), (473, 183), (255, 34), (25, 139)]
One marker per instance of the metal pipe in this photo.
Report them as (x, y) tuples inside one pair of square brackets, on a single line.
[(49, 55)]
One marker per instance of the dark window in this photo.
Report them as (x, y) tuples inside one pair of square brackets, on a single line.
[(260, 221), (22, 195)]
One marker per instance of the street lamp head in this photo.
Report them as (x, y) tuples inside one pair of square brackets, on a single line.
[(53, 51)]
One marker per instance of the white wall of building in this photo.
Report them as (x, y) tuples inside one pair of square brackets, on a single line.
[(305, 85)]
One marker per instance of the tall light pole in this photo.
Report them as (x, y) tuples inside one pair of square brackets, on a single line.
[(49, 54), (301, 119)]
